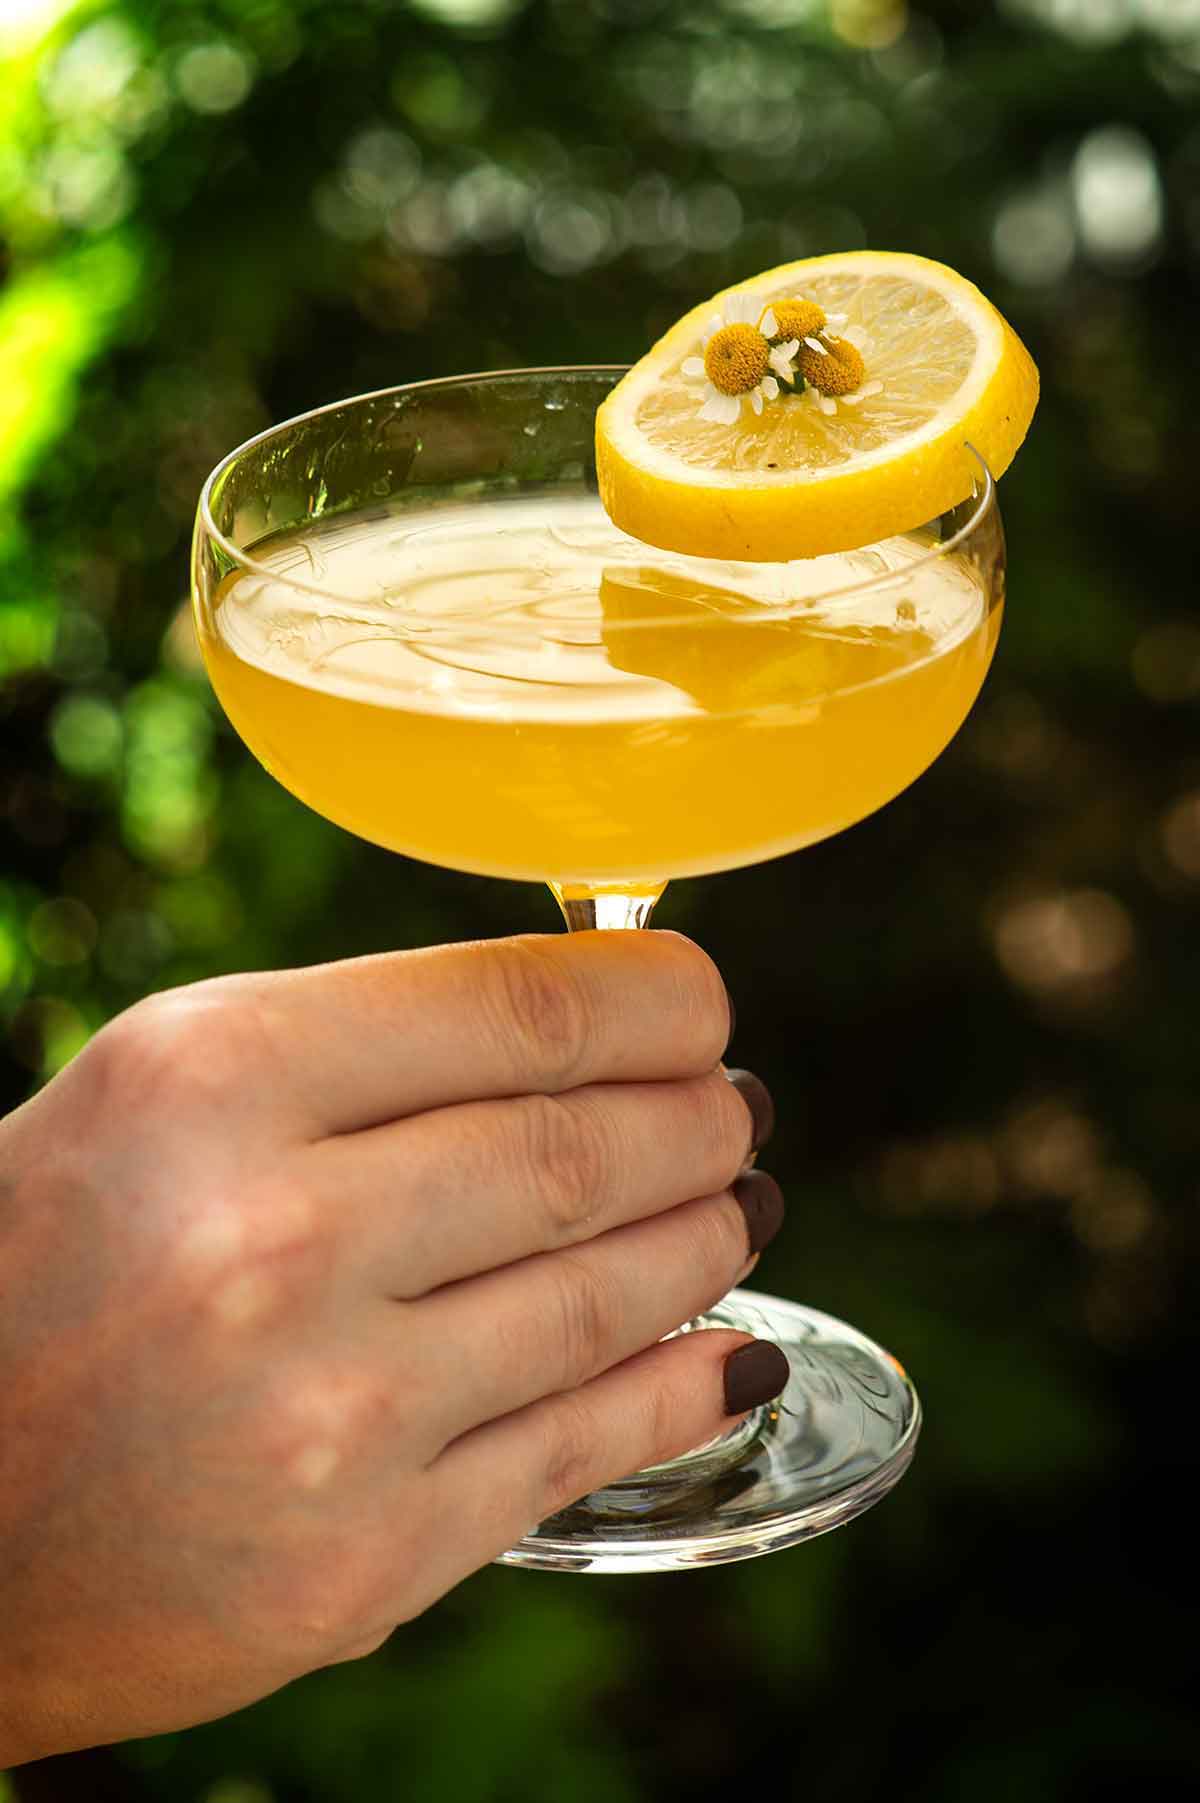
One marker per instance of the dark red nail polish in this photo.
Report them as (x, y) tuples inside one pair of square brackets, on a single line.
[(754, 1374), (761, 1201), (757, 1098)]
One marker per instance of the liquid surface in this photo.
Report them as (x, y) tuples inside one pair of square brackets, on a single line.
[(514, 687)]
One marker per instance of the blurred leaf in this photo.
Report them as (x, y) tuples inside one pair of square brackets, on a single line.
[(53, 320)]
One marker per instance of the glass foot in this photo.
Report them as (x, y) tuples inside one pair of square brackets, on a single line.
[(841, 1435)]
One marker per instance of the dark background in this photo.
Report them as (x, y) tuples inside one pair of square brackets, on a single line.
[(977, 1010)]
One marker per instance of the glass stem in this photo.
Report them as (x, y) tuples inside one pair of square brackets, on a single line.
[(584, 908)]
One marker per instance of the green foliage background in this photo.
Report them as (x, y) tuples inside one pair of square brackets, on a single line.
[(977, 1010)]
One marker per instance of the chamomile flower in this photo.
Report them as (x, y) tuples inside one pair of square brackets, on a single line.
[(737, 361), (750, 349), (834, 370)]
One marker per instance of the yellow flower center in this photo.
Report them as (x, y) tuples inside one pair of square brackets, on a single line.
[(797, 319), (736, 359), (838, 373)]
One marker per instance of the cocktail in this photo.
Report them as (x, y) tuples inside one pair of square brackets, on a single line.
[(422, 620)]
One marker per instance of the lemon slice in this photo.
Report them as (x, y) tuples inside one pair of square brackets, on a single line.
[(807, 474)]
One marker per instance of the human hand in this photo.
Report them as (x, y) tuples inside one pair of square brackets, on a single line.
[(323, 1287)]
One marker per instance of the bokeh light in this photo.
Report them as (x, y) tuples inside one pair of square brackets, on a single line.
[(26, 21), (1180, 833), (1054, 942), (1118, 196), (87, 735), (214, 78), (62, 931), (1033, 237), (1166, 661), (869, 24), (85, 84), (469, 13)]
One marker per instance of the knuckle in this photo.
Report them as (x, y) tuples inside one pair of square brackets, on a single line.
[(658, 1422), (586, 1319), (247, 1255), (188, 1043), (333, 1565), (568, 1152), (570, 1456), (370, 1414), (322, 1426), (539, 1009)]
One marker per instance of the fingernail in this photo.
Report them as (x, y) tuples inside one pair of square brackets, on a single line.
[(761, 1201), (732, 1015), (754, 1374), (757, 1098)]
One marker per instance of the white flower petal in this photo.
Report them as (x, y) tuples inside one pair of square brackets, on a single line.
[(814, 344), (850, 400), (827, 404), (856, 336), (742, 309), (869, 388), (756, 400), (780, 358), (836, 319), (693, 366), (770, 387), (722, 409), (768, 324)]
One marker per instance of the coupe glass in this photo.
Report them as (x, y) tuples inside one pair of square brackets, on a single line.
[(418, 617)]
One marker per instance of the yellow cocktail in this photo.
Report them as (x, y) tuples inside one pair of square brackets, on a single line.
[(514, 687)]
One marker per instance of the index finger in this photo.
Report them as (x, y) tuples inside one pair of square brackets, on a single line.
[(372, 1039)]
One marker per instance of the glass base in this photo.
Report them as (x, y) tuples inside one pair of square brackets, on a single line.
[(841, 1435)]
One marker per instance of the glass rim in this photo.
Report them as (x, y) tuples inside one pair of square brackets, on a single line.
[(984, 496)]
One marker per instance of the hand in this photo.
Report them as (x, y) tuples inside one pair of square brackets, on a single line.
[(321, 1288)]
